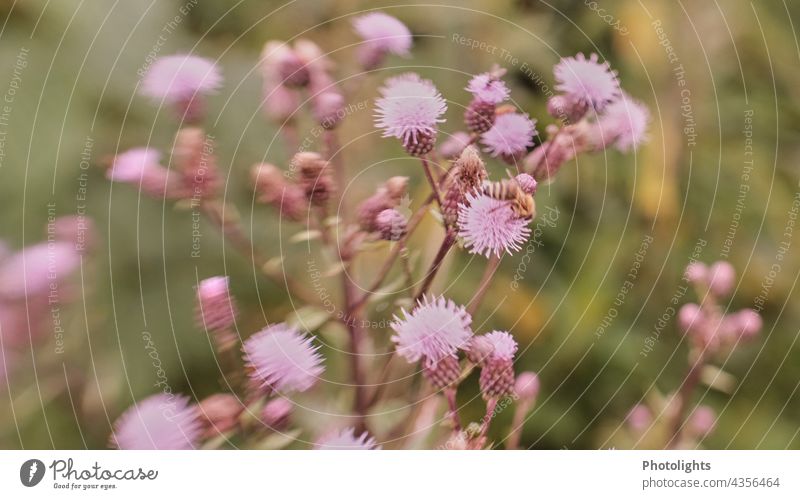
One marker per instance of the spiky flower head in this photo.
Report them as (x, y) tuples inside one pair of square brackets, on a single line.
[(282, 359), (487, 87), (490, 226), (504, 346), (409, 108), (346, 439), (382, 34), (624, 124), (177, 78), (587, 80), (435, 329), (511, 134), (159, 422)]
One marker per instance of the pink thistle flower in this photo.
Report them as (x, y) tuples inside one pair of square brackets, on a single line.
[(511, 134), (587, 80), (702, 421), (488, 88), (721, 278), (624, 124), (159, 422), (382, 34), (283, 359), (489, 225), (503, 345), (392, 225), (142, 166), (435, 329), (178, 78), (276, 412), (346, 440), (527, 386), (410, 108), (639, 418), (216, 310), (696, 273)]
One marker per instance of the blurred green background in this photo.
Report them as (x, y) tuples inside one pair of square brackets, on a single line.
[(77, 100)]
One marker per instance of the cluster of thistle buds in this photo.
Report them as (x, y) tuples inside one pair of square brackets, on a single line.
[(712, 332), (479, 214)]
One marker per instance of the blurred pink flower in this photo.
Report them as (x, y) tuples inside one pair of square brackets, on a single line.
[(409, 108), (346, 440), (490, 226), (391, 224), (435, 329), (744, 324), (527, 183), (527, 386), (587, 80), (141, 166), (702, 421), (511, 134), (454, 145), (721, 278), (382, 34), (283, 359), (177, 78), (32, 270), (639, 418), (696, 273), (276, 412), (488, 88), (159, 422), (624, 124), (216, 310)]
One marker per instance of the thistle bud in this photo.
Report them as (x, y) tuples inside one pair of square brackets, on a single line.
[(744, 324), (420, 145), (328, 109), (526, 183), (272, 188), (292, 70), (386, 197), (721, 278), (527, 386), (639, 418), (696, 273), (702, 421), (220, 413), (216, 310), (391, 225), (497, 378), (276, 413), (443, 373), (566, 109), (316, 178), (479, 116), (468, 175), (193, 154), (691, 318)]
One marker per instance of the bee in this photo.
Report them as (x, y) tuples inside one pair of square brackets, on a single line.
[(509, 190)]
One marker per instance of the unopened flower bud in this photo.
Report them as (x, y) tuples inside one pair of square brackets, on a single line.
[(443, 373), (216, 310), (745, 324), (691, 318), (292, 70), (527, 386), (272, 188), (315, 177), (276, 413), (721, 278), (193, 154), (328, 109), (527, 183), (479, 116), (639, 418), (702, 421), (220, 413), (696, 273), (396, 188), (566, 109), (391, 225)]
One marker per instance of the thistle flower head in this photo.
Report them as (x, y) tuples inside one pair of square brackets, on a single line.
[(639, 418), (283, 359), (624, 124), (346, 440), (34, 269), (216, 310), (435, 329), (276, 412), (488, 88), (489, 226), (511, 134), (587, 80), (384, 33), (177, 78), (721, 278), (527, 386), (391, 224), (409, 108), (503, 345), (159, 422)]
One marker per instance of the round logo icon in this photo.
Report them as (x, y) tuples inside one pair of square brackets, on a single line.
[(31, 472)]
